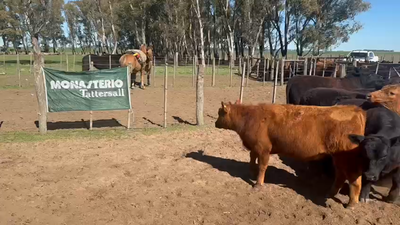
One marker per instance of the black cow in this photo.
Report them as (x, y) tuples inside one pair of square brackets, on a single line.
[(329, 96), (298, 85), (383, 156)]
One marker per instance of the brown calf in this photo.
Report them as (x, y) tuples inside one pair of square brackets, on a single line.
[(388, 96), (302, 132)]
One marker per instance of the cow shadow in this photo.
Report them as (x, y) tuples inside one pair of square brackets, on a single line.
[(313, 190), (82, 124)]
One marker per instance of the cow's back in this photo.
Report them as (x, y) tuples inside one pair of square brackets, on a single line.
[(308, 131), (298, 85), (328, 96)]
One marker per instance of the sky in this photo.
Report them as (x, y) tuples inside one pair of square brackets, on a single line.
[(380, 28)]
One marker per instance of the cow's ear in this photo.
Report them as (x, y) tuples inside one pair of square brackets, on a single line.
[(395, 141), (356, 139), (225, 107)]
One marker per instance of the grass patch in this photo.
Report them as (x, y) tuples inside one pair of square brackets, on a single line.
[(23, 136)]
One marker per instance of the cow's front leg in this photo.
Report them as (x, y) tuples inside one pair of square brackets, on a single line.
[(355, 189), (366, 189), (395, 190), (253, 165), (263, 159)]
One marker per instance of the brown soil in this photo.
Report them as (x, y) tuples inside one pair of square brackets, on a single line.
[(170, 177)]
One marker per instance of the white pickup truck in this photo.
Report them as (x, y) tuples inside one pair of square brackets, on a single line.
[(362, 56)]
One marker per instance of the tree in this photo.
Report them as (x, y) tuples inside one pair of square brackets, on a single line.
[(37, 14), (72, 18), (200, 74)]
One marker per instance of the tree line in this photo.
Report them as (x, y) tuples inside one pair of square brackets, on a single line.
[(235, 27)]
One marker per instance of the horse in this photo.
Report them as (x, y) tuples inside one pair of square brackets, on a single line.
[(136, 66)]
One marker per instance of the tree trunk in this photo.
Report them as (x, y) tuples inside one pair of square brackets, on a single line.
[(200, 75), (113, 29), (103, 31), (39, 84)]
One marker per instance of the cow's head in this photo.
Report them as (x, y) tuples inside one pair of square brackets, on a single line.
[(224, 116), (389, 96), (377, 150)]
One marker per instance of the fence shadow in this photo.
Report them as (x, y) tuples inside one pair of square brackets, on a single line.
[(180, 120), (153, 123), (314, 191), (61, 125)]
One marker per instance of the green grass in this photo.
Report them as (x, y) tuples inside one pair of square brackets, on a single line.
[(23, 136)]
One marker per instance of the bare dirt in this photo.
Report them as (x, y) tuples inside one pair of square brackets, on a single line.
[(169, 177)]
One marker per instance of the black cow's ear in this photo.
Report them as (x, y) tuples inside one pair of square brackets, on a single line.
[(356, 139), (395, 141)]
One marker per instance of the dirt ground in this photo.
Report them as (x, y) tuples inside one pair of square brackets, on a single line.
[(19, 107), (169, 177)]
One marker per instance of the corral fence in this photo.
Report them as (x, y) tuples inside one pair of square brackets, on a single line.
[(182, 71)]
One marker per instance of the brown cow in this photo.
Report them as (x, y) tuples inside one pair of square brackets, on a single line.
[(302, 132), (388, 96)]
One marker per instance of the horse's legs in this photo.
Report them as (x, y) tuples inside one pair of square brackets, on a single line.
[(142, 78), (148, 77)]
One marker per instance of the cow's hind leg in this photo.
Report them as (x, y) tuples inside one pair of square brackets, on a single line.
[(395, 190)]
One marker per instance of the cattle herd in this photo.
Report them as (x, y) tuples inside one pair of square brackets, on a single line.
[(350, 124)]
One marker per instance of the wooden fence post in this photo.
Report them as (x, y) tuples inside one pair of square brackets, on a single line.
[(323, 69), (240, 65), (258, 67), (18, 70), (91, 112), (305, 66), (66, 58), (272, 73), (230, 71), (343, 70), (311, 66), (74, 62), (153, 71), (30, 62), (275, 82), (265, 64), (282, 71), (61, 61), (194, 71), (165, 92), (175, 66), (334, 72), (242, 84), (109, 62), (315, 66), (213, 72), (130, 112), (248, 70), (377, 68)]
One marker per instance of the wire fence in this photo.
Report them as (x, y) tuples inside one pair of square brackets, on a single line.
[(16, 70)]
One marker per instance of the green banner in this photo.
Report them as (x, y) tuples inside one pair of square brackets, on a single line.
[(99, 90)]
